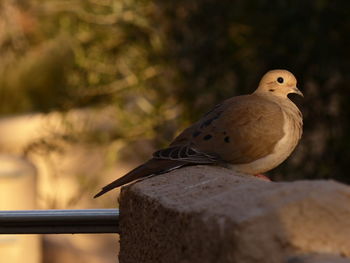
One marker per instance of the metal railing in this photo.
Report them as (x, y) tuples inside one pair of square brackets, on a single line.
[(59, 221)]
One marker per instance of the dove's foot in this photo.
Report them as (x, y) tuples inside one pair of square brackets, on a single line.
[(262, 177)]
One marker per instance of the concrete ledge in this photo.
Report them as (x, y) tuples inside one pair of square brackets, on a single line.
[(208, 214)]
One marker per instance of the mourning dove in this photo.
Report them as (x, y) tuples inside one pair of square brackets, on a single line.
[(251, 134)]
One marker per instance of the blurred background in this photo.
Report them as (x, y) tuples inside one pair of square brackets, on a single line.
[(90, 88)]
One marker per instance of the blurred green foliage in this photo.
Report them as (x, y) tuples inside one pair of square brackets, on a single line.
[(164, 63)]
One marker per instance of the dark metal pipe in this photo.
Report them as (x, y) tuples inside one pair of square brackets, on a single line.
[(59, 221)]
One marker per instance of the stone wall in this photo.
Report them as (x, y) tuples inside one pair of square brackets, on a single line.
[(208, 214)]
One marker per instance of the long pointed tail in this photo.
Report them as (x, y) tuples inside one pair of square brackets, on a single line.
[(152, 166)]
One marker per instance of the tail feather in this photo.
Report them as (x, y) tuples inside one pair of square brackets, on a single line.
[(152, 166)]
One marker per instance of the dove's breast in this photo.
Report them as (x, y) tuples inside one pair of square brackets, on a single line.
[(292, 128)]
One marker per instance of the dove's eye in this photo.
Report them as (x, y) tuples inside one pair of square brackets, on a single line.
[(280, 80)]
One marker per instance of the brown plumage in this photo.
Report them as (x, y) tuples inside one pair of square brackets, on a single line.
[(250, 133)]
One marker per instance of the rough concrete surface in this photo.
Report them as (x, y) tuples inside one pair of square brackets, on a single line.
[(208, 214)]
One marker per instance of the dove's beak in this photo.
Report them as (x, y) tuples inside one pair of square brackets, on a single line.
[(297, 91)]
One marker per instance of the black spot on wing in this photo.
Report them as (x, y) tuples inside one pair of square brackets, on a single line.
[(227, 139), (207, 122), (207, 137)]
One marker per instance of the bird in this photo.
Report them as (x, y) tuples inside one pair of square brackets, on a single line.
[(250, 134)]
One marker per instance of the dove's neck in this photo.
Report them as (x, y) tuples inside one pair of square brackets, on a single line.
[(287, 106), (279, 99)]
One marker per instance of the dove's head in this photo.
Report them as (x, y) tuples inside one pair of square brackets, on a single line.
[(278, 82)]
